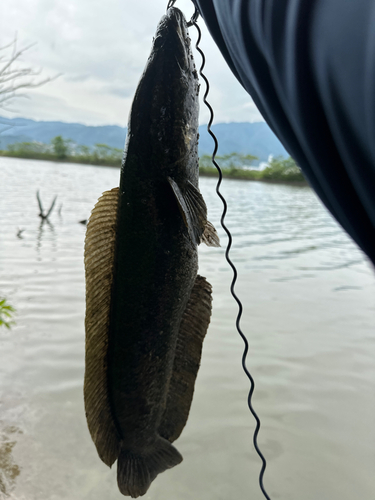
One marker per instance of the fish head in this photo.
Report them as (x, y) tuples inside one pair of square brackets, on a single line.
[(172, 39), (163, 123)]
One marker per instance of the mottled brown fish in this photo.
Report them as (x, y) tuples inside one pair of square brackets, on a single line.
[(147, 310)]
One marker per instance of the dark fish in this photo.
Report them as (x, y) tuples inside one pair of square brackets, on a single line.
[(147, 310)]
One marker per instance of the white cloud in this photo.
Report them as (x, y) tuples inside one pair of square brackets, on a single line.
[(101, 49)]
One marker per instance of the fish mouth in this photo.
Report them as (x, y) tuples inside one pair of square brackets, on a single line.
[(172, 36)]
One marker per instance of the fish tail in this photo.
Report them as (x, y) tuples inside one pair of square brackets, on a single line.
[(135, 473)]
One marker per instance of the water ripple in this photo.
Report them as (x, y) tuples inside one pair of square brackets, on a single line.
[(309, 304)]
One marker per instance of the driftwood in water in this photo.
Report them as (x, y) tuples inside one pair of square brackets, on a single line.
[(42, 214)]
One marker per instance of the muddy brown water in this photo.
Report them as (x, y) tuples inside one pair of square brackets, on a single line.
[(309, 301)]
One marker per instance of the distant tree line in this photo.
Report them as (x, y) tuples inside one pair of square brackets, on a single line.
[(238, 166), (61, 149), (234, 165)]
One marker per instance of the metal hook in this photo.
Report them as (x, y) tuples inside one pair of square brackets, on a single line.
[(194, 18), (170, 4)]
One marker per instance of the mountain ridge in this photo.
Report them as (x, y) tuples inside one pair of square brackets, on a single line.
[(242, 137)]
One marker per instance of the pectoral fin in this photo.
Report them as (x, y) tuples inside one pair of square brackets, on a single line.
[(193, 329), (99, 258), (192, 207)]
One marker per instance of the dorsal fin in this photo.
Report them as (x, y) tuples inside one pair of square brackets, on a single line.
[(193, 329), (99, 258)]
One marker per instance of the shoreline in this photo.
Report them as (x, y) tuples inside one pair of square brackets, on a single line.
[(238, 175), (246, 178), (53, 158)]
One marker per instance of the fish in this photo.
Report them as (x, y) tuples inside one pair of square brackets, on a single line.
[(147, 309)]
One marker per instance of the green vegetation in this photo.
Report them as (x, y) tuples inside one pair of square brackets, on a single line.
[(60, 147), (65, 150), (234, 165), (6, 314), (281, 169)]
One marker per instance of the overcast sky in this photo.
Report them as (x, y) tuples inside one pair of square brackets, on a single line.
[(101, 47)]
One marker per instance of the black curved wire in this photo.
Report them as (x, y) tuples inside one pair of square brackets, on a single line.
[(240, 308)]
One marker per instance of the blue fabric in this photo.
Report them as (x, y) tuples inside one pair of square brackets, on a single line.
[(309, 66)]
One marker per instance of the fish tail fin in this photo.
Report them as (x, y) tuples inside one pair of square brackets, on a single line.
[(135, 473)]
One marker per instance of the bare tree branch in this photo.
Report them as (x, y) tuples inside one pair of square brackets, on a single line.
[(14, 77), (42, 214), (51, 207)]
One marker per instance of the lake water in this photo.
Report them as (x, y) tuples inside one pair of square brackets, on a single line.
[(309, 316)]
